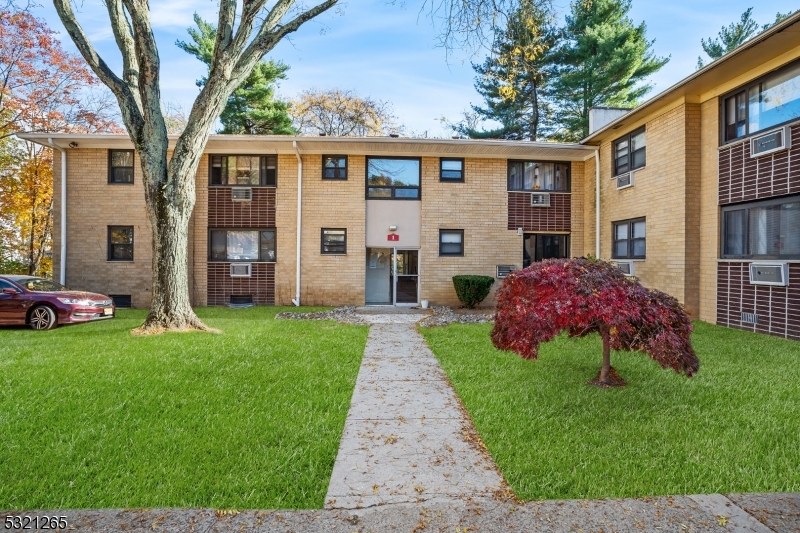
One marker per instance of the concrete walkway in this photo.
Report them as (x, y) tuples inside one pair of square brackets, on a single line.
[(407, 439)]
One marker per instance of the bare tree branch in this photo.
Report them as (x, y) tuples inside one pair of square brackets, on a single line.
[(123, 33), (149, 66), (128, 104)]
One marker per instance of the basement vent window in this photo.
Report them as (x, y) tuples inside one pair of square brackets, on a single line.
[(749, 318), (241, 301), (121, 301)]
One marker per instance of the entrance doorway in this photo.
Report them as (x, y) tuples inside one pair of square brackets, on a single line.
[(537, 247), (392, 277)]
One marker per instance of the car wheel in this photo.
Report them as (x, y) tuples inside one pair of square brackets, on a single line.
[(43, 317)]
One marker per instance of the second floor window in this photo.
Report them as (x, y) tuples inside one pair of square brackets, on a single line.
[(630, 152), (768, 101), (538, 176), (393, 178), (247, 170), (120, 166), (451, 169), (334, 167)]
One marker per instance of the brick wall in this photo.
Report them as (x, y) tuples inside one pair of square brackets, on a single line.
[(93, 205), (225, 213), (479, 206), (222, 212), (332, 279), (286, 228), (743, 178), (778, 308), (557, 217), (261, 285), (709, 211), (660, 195)]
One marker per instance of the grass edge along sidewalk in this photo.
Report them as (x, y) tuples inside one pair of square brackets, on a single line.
[(92, 417), (733, 427)]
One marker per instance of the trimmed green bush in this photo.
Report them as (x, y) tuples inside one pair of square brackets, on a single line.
[(472, 290)]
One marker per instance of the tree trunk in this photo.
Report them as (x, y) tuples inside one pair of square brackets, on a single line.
[(169, 206), (605, 370)]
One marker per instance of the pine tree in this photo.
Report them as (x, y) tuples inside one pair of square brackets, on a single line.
[(734, 35), (251, 109), (601, 62), (514, 79)]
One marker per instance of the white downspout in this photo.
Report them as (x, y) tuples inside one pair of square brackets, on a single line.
[(62, 274), (296, 300), (597, 202)]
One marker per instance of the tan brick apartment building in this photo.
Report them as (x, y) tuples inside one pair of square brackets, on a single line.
[(696, 186)]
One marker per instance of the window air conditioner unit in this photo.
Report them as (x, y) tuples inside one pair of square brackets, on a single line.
[(771, 142), (242, 194), (540, 199), (769, 274), (241, 270), (624, 180), (626, 267), (505, 270)]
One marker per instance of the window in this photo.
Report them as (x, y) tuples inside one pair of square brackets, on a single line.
[(242, 245), (334, 241), (768, 101), (630, 152), (120, 166), (538, 176), (762, 230), (629, 239), (451, 242), (397, 178), (244, 170), (451, 169), (120, 243), (334, 167), (536, 247)]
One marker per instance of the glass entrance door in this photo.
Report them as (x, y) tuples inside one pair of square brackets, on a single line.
[(406, 268), (379, 279), (392, 277)]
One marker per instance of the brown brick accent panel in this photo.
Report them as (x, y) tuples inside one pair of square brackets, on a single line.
[(557, 217), (743, 178), (778, 307), (225, 213), (261, 286)]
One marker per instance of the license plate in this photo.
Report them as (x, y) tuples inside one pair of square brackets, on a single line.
[(108, 311)]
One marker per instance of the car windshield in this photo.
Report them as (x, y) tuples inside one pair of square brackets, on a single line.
[(41, 285)]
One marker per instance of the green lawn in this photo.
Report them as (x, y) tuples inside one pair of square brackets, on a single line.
[(92, 417), (734, 427)]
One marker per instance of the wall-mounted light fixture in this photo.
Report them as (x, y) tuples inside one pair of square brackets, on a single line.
[(73, 144), (519, 231), (392, 228)]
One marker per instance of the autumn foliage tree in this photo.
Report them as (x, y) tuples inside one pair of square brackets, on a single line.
[(342, 112), (42, 89), (581, 297)]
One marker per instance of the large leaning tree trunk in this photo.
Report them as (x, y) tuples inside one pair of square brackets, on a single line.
[(169, 181)]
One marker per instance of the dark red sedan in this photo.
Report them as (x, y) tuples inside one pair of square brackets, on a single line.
[(44, 304)]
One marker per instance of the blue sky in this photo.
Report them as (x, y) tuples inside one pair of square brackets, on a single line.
[(389, 51)]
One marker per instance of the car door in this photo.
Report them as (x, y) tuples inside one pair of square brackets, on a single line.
[(13, 307)]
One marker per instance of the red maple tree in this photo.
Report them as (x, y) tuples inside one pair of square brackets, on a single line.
[(43, 88), (582, 297)]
